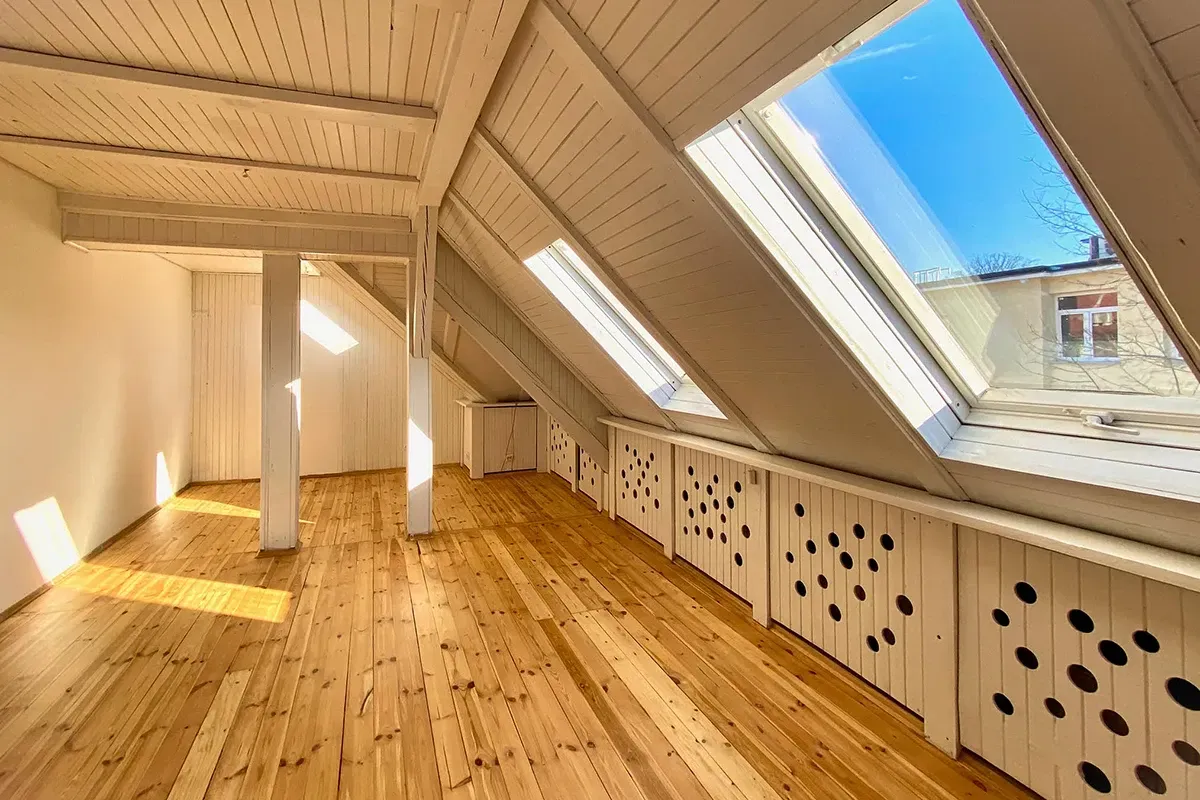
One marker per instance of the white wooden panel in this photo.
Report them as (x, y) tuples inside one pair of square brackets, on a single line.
[(352, 404), (1173, 30), (591, 477), (643, 484), (562, 452), (509, 438), (844, 571), (1067, 672), (717, 515)]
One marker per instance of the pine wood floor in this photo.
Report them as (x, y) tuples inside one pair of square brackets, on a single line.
[(533, 649)]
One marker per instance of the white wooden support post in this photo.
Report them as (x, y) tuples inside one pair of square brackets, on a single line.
[(612, 473), (939, 632), (668, 469), (279, 501), (419, 302), (759, 579), (543, 440), (575, 467)]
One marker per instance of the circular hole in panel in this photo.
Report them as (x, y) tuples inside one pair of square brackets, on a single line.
[(723, 539), (656, 503), (652, 455), (888, 636), (822, 581), (904, 605), (860, 593), (1000, 618), (643, 509), (622, 473), (1153, 782), (622, 495), (691, 471), (1094, 777), (639, 463), (708, 489), (1114, 722), (811, 546), (1083, 678), (801, 589), (737, 559), (737, 487), (626, 484), (1025, 593), (1080, 620), (1113, 653), (835, 613), (1186, 753), (729, 501), (791, 559), (872, 565), (723, 518), (1146, 641), (1003, 704), (709, 531), (1185, 693), (799, 509), (703, 508), (873, 644), (635, 493), (1027, 658), (886, 542), (745, 531), (847, 560), (635, 452), (1055, 708), (716, 503), (833, 539), (716, 478), (691, 513), (626, 448), (685, 530), (685, 495), (859, 531), (697, 485), (696, 528)]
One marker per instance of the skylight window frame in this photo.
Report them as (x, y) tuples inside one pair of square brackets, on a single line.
[(605, 318), (1092, 436), (1030, 407)]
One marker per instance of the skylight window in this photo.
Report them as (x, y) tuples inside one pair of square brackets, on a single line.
[(898, 180), (625, 339)]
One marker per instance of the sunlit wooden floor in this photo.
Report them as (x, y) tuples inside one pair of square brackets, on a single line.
[(532, 649)]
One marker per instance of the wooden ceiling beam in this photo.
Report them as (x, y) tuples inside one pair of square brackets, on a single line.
[(615, 284), (241, 97), (235, 166), (489, 30)]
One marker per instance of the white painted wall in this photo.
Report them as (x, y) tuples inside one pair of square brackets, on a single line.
[(352, 403), (95, 350)]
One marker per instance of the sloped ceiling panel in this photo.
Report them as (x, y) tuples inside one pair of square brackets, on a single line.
[(1173, 29), (702, 287), (699, 61)]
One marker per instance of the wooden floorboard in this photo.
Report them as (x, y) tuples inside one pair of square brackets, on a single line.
[(530, 649)]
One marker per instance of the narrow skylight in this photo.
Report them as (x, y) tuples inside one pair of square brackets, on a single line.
[(324, 331), (616, 330)]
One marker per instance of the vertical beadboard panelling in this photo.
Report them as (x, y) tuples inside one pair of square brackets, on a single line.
[(562, 452), (1078, 680), (846, 576), (591, 476), (352, 403), (643, 483), (716, 517), (509, 438)]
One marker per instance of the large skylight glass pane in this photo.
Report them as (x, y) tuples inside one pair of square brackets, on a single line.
[(918, 145), (625, 340)]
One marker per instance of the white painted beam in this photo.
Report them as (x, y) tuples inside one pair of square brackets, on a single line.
[(422, 273), (279, 518), (238, 167), (450, 338), (615, 284), (238, 97), (490, 27)]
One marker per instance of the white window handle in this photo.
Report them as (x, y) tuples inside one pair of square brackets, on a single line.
[(1103, 421)]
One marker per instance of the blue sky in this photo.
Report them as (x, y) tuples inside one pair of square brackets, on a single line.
[(924, 102)]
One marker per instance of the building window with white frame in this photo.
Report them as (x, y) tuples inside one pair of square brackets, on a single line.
[(1087, 327)]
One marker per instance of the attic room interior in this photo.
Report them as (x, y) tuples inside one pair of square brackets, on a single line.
[(692, 399)]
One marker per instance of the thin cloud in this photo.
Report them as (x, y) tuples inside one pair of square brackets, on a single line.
[(884, 51)]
